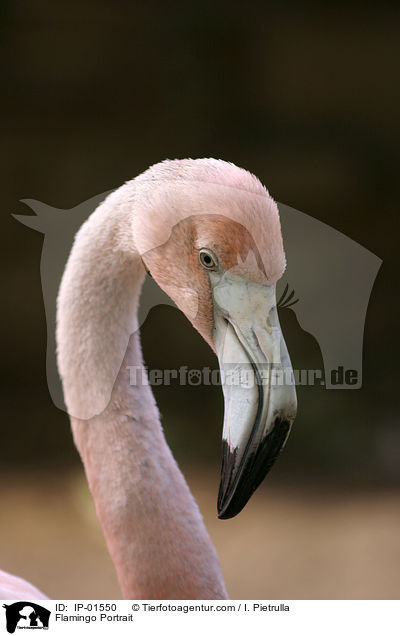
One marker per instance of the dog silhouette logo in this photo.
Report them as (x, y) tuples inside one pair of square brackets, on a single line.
[(26, 615)]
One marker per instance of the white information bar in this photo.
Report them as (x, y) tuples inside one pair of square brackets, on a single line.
[(278, 618)]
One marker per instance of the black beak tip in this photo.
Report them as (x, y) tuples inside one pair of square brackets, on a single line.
[(238, 483), (230, 511), (225, 515), (225, 507), (233, 502)]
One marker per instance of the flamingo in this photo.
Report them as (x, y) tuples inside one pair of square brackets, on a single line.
[(209, 234)]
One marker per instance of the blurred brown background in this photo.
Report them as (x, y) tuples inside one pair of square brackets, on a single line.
[(93, 93)]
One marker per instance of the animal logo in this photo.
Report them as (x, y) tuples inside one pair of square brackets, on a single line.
[(194, 377), (26, 615), (331, 274)]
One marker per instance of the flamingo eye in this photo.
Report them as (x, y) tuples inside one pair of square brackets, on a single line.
[(208, 259)]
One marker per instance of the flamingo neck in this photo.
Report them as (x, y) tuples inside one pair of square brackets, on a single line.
[(153, 528)]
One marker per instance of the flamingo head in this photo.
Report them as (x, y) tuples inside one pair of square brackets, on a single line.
[(215, 246)]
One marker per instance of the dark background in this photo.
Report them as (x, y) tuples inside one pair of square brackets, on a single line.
[(307, 99)]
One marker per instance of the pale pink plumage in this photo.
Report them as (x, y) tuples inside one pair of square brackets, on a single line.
[(152, 525)]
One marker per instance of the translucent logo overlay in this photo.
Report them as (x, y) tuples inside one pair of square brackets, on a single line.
[(327, 284)]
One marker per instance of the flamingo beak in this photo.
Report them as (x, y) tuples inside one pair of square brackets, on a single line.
[(258, 385)]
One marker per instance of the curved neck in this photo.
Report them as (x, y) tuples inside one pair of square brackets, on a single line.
[(152, 525)]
